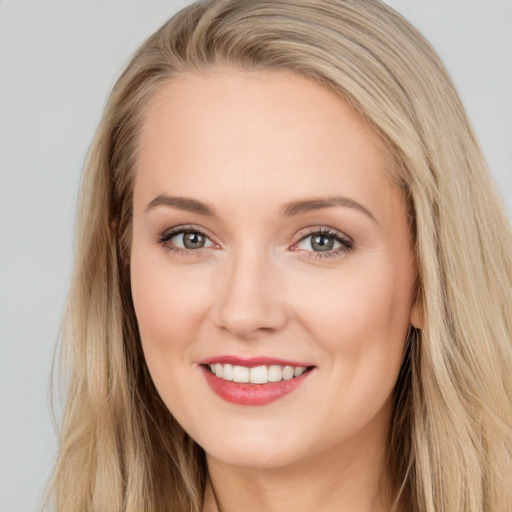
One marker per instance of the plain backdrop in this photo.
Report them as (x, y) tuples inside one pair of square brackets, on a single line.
[(58, 60)]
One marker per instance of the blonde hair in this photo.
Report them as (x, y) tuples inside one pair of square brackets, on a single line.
[(450, 446)]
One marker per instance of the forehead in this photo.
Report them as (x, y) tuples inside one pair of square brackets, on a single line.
[(248, 135)]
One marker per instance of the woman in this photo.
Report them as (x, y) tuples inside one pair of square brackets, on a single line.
[(293, 276)]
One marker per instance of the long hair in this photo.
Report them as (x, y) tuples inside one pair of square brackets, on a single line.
[(450, 442)]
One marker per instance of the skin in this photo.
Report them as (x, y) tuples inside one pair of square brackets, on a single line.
[(246, 144)]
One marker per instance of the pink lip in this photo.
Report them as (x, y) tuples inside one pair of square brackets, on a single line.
[(251, 394)]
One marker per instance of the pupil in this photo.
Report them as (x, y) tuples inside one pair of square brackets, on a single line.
[(322, 243), (193, 240)]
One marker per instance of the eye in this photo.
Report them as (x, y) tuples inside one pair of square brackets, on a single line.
[(324, 242), (185, 239), (318, 243), (190, 240)]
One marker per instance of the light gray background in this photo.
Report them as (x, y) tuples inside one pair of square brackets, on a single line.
[(58, 60)]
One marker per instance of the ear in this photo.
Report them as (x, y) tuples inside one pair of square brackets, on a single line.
[(417, 313)]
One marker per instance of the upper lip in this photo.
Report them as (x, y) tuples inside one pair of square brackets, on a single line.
[(252, 361)]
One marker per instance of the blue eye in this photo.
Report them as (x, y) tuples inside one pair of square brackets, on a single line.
[(324, 242), (319, 243), (185, 239)]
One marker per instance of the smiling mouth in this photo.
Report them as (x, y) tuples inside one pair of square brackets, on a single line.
[(254, 385), (262, 374)]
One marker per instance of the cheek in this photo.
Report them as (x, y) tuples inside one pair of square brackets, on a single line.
[(361, 321), (343, 310), (169, 305)]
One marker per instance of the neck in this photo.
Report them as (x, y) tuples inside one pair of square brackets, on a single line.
[(348, 477)]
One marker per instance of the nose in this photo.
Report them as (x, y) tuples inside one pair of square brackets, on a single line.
[(251, 297)]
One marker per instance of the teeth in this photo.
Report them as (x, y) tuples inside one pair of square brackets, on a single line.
[(240, 374), (275, 373), (257, 374), (227, 371), (288, 372), (299, 371)]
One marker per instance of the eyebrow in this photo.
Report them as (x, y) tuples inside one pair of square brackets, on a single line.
[(307, 205), (288, 210), (182, 203)]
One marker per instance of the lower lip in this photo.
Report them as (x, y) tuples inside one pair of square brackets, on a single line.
[(252, 394)]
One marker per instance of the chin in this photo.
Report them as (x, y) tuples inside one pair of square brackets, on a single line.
[(255, 449), (248, 457)]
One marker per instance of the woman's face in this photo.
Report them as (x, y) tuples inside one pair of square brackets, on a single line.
[(267, 234)]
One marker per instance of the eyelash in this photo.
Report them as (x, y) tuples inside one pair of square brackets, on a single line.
[(164, 239), (346, 243)]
